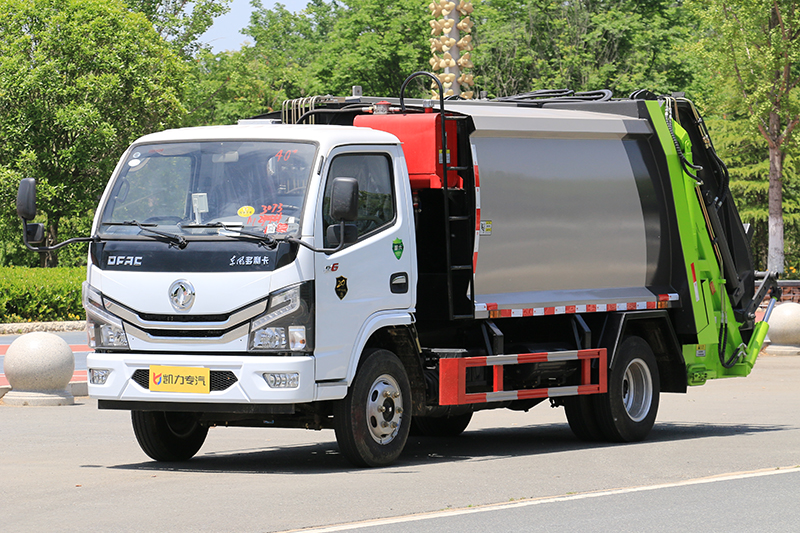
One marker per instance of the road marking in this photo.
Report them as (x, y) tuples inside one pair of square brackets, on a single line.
[(541, 501)]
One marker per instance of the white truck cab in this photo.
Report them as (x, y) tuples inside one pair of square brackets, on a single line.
[(232, 288)]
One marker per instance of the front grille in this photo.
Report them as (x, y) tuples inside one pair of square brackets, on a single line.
[(183, 318), (220, 379)]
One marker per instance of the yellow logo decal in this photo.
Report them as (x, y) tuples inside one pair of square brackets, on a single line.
[(246, 211), (179, 379)]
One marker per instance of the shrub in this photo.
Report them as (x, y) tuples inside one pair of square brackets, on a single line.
[(40, 294)]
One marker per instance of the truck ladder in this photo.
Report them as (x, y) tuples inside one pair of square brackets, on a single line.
[(466, 173), (453, 376)]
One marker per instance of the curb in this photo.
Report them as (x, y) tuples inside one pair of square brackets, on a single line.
[(17, 328), (76, 388)]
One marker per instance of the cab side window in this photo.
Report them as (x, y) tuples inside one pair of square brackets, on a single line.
[(376, 205)]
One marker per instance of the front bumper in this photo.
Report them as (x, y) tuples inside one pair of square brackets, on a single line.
[(249, 386)]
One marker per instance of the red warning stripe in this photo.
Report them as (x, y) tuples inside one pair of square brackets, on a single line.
[(452, 376), (495, 311)]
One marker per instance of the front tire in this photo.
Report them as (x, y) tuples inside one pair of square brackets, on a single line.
[(167, 436), (372, 421), (628, 411)]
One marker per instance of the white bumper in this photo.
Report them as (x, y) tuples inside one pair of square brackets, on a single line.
[(250, 387)]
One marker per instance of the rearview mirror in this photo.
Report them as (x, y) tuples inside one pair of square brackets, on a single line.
[(34, 233), (344, 199), (26, 199)]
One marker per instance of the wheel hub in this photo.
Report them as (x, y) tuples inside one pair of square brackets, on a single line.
[(384, 409), (637, 390)]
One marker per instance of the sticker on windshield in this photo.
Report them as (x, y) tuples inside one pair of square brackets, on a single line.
[(134, 162), (246, 211)]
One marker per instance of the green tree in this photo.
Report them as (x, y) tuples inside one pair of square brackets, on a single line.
[(375, 44), (754, 46), (290, 43), (331, 46), (181, 22), (79, 80), (622, 45), (229, 86)]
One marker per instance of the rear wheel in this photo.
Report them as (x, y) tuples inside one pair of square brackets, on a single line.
[(627, 413), (582, 418), (371, 423), (443, 426), (167, 436)]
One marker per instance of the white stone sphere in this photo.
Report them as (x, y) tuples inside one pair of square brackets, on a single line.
[(784, 324), (38, 367)]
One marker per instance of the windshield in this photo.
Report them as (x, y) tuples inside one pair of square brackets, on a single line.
[(200, 188)]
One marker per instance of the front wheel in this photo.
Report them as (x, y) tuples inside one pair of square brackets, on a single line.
[(371, 422), (628, 411), (167, 436)]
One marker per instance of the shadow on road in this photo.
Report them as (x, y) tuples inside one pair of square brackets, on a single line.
[(478, 444)]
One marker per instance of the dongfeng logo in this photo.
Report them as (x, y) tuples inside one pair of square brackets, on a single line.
[(181, 295)]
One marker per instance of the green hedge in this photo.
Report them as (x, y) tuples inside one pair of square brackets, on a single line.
[(40, 294)]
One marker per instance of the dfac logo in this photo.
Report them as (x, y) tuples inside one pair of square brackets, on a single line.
[(124, 260), (181, 295)]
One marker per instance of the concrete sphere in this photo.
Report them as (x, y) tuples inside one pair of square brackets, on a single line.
[(784, 324), (38, 367)]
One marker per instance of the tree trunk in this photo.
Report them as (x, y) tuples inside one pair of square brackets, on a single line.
[(51, 258), (776, 155)]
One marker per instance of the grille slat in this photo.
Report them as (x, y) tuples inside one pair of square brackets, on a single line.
[(220, 379)]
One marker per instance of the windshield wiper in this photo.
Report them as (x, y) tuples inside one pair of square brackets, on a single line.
[(178, 240), (268, 240)]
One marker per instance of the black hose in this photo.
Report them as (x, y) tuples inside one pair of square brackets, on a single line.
[(684, 162), (346, 109)]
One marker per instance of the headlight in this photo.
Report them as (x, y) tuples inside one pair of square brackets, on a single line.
[(288, 324), (104, 329)]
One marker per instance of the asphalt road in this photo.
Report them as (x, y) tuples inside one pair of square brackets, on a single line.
[(78, 468)]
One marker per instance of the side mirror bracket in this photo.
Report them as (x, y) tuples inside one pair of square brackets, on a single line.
[(344, 210), (34, 233)]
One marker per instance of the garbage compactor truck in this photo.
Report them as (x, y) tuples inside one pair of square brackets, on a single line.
[(385, 266)]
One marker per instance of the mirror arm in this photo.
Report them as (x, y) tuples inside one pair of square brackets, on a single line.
[(55, 246), (322, 250)]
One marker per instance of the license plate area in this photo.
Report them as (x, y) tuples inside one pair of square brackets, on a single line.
[(180, 379)]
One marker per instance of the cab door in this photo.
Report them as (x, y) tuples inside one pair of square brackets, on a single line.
[(373, 274)]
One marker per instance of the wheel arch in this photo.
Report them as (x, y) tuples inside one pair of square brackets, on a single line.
[(394, 332), (656, 329), (402, 340)]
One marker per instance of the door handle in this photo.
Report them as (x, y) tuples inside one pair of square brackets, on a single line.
[(398, 283)]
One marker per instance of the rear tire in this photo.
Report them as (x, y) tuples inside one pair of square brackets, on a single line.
[(371, 422), (168, 436), (628, 411), (582, 418), (442, 426)]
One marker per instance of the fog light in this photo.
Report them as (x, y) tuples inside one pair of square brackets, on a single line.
[(282, 380), (98, 376)]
